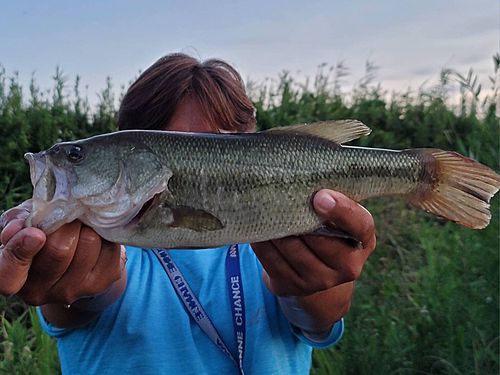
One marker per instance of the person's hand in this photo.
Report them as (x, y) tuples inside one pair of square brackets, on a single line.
[(61, 268), (321, 270)]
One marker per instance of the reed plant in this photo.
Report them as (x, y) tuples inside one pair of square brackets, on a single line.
[(427, 302)]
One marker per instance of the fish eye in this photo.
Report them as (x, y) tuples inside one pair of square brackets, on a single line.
[(75, 154)]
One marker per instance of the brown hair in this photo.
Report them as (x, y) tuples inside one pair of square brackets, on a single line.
[(152, 99)]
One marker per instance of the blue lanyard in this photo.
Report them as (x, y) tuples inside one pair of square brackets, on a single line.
[(235, 288), (195, 309)]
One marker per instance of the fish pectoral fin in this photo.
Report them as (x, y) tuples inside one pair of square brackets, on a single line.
[(194, 219), (341, 131)]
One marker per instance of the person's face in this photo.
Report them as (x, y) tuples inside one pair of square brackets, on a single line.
[(189, 117)]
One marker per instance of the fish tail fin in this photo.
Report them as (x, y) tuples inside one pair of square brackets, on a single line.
[(456, 188)]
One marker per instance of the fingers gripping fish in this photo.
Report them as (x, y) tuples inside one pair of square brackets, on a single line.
[(176, 189)]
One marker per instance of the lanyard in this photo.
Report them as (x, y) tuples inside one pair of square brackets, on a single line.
[(195, 309), (235, 288)]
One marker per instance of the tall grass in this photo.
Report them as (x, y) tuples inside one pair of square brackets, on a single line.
[(25, 349), (427, 302)]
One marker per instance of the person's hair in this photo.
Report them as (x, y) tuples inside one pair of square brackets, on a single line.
[(153, 98)]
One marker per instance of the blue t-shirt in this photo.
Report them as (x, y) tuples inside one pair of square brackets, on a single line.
[(149, 331)]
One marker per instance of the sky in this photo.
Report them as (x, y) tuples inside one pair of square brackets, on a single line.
[(410, 41)]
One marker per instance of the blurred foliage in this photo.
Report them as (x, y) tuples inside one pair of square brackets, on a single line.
[(399, 120), (37, 122), (428, 302), (25, 348)]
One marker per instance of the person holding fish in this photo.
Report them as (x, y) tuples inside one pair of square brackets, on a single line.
[(258, 304)]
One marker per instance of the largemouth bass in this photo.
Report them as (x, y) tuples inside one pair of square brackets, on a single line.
[(186, 190)]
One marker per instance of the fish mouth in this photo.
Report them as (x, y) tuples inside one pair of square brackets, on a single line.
[(51, 204), (55, 204), (42, 177)]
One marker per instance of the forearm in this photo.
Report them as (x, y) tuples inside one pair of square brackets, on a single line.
[(317, 313), (84, 310)]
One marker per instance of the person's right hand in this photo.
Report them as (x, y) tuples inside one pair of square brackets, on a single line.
[(69, 264)]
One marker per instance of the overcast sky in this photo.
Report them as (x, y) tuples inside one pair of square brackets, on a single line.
[(411, 40)]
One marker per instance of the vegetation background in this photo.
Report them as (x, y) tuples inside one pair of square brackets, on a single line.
[(428, 301)]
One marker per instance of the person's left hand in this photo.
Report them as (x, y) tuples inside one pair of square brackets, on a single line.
[(321, 270)]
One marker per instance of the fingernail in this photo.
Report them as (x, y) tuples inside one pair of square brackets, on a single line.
[(325, 202)]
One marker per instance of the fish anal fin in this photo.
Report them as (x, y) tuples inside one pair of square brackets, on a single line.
[(340, 131), (330, 230)]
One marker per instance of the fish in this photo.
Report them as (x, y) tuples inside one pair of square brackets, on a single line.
[(194, 190)]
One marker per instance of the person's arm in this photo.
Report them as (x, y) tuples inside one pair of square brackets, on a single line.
[(60, 269), (315, 275)]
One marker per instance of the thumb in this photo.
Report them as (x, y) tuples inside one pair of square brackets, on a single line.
[(346, 215), (325, 202), (16, 257)]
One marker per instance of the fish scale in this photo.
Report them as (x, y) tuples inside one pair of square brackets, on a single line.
[(256, 199), (189, 190)]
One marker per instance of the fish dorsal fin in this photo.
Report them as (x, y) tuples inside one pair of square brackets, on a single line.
[(340, 131)]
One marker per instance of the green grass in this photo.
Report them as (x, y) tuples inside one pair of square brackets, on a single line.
[(428, 300), (25, 349)]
